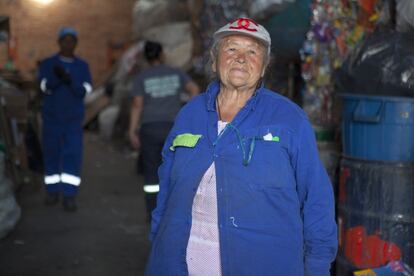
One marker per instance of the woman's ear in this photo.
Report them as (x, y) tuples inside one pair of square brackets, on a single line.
[(265, 65), (213, 62)]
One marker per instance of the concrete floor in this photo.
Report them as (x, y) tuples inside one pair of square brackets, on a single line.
[(107, 236)]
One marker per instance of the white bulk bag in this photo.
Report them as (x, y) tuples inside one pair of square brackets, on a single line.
[(177, 42)]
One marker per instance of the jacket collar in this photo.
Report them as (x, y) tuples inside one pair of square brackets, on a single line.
[(214, 88)]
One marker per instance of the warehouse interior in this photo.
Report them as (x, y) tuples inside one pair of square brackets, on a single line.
[(349, 64)]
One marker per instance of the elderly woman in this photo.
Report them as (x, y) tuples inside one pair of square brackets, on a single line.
[(242, 189)]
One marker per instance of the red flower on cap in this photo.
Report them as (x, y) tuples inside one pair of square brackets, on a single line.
[(244, 23)]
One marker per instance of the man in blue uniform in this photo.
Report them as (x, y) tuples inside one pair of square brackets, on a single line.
[(64, 80)]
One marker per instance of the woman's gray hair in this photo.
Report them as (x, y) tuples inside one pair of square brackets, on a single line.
[(213, 54)]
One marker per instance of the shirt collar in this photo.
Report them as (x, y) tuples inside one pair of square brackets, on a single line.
[(66, 59), (59, 57)]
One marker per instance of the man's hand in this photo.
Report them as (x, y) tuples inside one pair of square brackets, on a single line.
[(62, 74)]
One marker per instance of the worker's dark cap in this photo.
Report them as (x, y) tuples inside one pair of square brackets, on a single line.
[(65, 31)]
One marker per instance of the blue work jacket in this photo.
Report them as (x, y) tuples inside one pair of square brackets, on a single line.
[(275, 200), (62, 102)]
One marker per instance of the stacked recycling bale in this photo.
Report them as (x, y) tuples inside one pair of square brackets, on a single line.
[(376, 190), (336, 27), (347, 51)]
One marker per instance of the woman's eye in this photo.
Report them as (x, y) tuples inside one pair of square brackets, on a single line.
[(253, 52)]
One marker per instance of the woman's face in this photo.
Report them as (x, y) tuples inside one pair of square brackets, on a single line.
[(240, 62)]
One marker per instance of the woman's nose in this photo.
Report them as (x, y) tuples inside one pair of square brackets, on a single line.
[(241, 58)]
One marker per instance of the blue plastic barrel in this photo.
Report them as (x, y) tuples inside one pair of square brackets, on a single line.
[(378, 128)]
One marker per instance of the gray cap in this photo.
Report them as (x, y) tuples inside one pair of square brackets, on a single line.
[(245, 26)]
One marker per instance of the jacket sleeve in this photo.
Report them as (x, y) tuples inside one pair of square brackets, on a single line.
[(317, 203), (164, 173), (83, 84), (47, 79)]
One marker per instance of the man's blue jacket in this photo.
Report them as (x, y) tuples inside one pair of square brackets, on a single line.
[(63, 102), (275, 200)]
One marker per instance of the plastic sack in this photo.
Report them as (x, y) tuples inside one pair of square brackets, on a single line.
[(9, 215), (107, 119), (375, 218), (9, 210), (263, 8), (382, 65), (151, 13), (405, 15), (5, 188), (177, 42)]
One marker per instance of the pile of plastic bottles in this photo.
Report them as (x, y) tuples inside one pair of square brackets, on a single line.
[(337, 26)]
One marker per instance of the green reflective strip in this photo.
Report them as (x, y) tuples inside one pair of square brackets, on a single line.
[(275, 138), (187, 140)]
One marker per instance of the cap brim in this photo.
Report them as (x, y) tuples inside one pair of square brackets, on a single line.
[(65, 35), (223, 34)]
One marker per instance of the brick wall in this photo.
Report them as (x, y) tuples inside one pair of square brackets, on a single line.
[(98, 22)]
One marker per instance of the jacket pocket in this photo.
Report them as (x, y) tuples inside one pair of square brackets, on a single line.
[(269, 164)]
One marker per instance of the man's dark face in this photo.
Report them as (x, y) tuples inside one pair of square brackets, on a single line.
[(67, 45)]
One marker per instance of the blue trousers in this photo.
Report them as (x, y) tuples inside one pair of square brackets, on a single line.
[(62, 152), (152, 136)]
